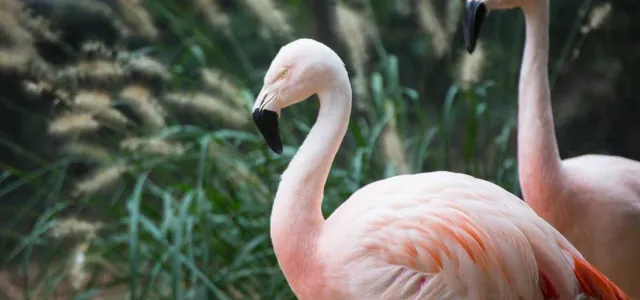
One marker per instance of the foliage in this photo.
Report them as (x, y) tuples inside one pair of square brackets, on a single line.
[(179, 192)]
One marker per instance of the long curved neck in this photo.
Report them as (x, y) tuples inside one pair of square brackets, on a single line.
[(538, 157), (296, 218)]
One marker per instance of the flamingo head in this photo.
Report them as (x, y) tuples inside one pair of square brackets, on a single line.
[(476, 11), (300, 69)]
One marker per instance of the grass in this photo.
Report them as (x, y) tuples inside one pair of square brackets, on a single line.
[(195, 224)]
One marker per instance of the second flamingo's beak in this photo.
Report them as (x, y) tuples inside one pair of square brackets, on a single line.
[(266, 113), (474, 14)]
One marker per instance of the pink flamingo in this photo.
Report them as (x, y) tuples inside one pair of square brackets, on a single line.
[(436, 235), (593, 200)]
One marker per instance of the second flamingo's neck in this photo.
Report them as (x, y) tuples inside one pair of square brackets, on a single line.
[(296, 218), (538, 157)]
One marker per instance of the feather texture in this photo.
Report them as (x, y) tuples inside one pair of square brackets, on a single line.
[(444, 235)]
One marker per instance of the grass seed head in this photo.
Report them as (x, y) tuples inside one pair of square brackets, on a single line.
[(471, 66), (144, 105), (208, 106), (153, 146), (73, 124), (100, 180), (392, 147), (212, 13), (353, 29), (271, 16), (429, 21)]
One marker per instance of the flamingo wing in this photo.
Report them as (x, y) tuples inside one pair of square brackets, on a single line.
[(450, 243)]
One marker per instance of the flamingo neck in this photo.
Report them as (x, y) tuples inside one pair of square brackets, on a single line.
[(296, 218), (538, 156)]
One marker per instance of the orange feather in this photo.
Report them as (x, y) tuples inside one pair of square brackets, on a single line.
[(594, 283)]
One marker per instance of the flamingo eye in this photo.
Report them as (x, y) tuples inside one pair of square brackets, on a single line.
[(283, 74)]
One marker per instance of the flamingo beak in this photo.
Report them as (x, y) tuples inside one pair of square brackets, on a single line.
[(266, 113), (474, 14)]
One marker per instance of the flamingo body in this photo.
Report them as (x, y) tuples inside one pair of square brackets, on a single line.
[(603, 192), (444, 235), (438, 235), (593, 200)]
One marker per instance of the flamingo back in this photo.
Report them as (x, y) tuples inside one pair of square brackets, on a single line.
[(444, 235)]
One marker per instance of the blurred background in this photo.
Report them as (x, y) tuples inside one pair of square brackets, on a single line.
[(130, 167)]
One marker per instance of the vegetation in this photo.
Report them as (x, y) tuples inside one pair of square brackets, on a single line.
[(129, 164)]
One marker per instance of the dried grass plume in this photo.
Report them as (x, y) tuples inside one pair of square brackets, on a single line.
[(153, 146), (271, 16), (353, 29), (100, 180), (208, 106), (392, 147), (212, 13), (471, 66), (597, 17), (440, 28), (73, 123)]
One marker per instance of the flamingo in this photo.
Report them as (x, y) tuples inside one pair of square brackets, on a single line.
[(593, 200), (437, 235)]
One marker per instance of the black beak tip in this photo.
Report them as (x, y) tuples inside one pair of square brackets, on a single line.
[(470, 49), (276, 149), (267, 123), (475, 12)]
